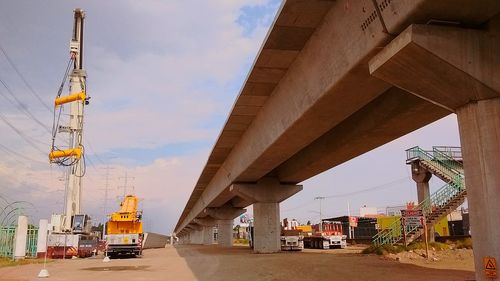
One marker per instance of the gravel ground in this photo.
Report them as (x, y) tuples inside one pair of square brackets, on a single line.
[(188, 262)]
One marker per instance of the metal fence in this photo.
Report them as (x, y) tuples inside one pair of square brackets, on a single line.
[(7, 237), (31, 241)]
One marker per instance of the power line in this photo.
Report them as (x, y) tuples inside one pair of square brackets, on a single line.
[(16, 159), (299, 206), (93, 151), (382, 186), (15, 153), (21, 106), (124, 186), (21, 134), (35, 94)]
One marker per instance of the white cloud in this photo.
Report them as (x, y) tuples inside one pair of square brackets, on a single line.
[(158, 73)]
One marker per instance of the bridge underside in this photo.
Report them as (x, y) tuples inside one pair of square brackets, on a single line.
[(335, 79)]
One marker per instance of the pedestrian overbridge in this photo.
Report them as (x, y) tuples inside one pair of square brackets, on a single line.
[(336, 79)]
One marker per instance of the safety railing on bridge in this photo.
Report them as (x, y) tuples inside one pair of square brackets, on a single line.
[(453, 152), (439, 162)]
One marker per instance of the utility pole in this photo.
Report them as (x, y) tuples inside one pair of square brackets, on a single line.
[(320, 198), (351, 231), (124, 186)]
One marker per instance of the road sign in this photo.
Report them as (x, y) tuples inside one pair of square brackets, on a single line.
[(490, 267), (413, 217), (412, 213), (353, 221), (413, 221)]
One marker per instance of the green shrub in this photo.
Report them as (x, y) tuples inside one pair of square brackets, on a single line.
[(241, 241), (11, 262), (421, 246), (464, 243), (369, 250), (384, 249)]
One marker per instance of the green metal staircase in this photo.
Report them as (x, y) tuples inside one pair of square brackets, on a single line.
[(445, 163)]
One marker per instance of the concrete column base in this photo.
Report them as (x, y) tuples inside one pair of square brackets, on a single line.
[(225, 233), (266, 227), (479, 125), (195, 237), (208, 235)]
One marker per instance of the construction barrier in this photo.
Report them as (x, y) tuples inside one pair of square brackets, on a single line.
[(154, 240)]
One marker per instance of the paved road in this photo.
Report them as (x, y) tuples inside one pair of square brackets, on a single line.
[(236, 264)]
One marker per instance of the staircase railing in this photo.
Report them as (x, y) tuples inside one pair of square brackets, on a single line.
[(392, 234), (448, 158), (439, 198), (453, 152), (443, 159), (451, 168)]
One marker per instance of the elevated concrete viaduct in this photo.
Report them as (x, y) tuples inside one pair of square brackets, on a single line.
[(337, 78)]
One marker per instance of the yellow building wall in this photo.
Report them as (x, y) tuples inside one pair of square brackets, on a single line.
[(441, 227), (385, 222)]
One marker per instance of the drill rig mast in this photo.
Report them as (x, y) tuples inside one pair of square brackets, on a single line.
[(73, 156), (70, 232)]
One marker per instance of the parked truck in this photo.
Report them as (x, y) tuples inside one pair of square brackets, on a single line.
[(75, 242), (124, 232), (328, 235), (292, 238)]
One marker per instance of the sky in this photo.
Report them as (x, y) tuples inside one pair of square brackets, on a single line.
[(162, 76)]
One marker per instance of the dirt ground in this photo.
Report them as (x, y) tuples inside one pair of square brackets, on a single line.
[(201, 263)]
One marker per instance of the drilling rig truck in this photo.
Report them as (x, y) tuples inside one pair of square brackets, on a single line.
[(124, 233), (292, 238)]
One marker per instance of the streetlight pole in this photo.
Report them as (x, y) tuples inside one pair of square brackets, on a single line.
[(320, 198)]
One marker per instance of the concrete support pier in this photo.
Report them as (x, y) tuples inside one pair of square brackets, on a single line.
[(479, 125), (225, 233), (421, 177), (266, 196), (224, 217), (208, 235), (267, 227), (195, 234), (207, 229)]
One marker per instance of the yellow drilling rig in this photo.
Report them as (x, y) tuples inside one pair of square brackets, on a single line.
[(124, 229)]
